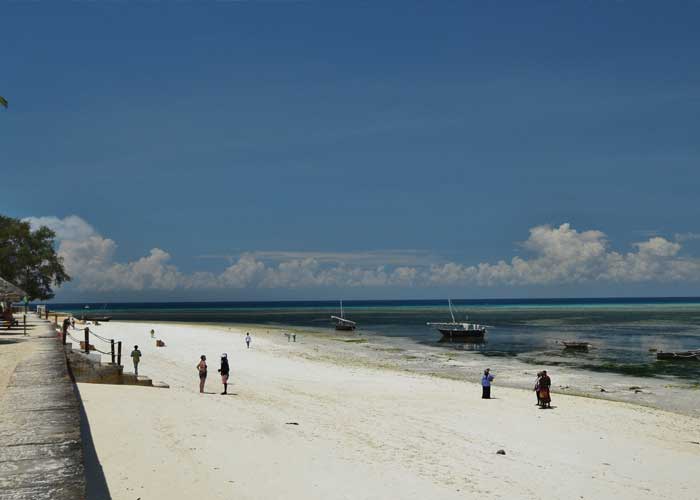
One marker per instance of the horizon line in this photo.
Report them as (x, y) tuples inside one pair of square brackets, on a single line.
[(678, 297)]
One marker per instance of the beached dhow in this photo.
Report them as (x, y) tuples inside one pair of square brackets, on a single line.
[(575, 345), (455, 331), (341, 323), (93, 317), (679, 356)]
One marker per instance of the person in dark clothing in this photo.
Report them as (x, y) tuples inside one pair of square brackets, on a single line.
[(486, 384), (224, 371)]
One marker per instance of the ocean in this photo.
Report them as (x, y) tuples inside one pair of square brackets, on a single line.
[(623, 332)]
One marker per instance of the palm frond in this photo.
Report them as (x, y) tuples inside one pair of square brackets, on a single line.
[(3, 102)]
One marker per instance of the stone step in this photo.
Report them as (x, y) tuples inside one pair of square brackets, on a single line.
[(131, 379)]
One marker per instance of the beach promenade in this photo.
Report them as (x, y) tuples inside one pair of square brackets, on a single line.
[(41, 451), (299, 427)]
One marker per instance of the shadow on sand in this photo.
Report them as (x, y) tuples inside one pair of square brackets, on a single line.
[(96, 483), (10, 341)]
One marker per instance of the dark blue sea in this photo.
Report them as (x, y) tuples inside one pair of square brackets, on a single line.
[(623, 331)]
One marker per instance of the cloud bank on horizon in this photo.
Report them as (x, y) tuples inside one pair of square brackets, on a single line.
[(556, 256)]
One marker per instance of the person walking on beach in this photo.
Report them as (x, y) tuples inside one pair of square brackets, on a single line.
[(136, 357), (247, 340), (202, 369), (224, 370), (153, 333), (72, 323), (486, 384), (545, 383)]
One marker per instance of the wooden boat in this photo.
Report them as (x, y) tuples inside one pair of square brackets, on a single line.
[(459, 332), (341, 323), (575, 346), (96, 318), (679, 356)]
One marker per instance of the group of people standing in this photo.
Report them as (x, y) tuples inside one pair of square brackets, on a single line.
[(542, 386), (202, 367), (224, 369)]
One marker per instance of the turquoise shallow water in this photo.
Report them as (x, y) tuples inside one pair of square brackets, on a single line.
[(622, 330)]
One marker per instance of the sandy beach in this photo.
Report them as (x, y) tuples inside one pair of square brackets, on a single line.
[(300, 425)]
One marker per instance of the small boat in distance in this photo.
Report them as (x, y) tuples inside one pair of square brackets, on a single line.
[(341, 323), (575, 346), (679, 356), (456, 332)]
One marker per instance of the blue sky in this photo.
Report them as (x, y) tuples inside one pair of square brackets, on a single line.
[(322, 141)]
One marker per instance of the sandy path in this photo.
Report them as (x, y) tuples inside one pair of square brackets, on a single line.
[(13, 349), (366, 433)]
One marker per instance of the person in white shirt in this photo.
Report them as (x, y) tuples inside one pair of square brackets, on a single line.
[(247, 340)]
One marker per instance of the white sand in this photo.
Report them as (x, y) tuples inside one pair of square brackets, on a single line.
[(365, 433)]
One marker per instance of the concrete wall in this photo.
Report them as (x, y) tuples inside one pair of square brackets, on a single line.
[(89, 368)]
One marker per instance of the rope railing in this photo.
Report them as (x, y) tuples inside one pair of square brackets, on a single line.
[(87, 347), (99, 336), (73, 338), (91, 345)]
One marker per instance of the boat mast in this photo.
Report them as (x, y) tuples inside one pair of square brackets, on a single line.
[(341, 310), (449, 301)]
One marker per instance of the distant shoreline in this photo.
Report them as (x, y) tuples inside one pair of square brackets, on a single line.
[(376, 352), (624, 335)]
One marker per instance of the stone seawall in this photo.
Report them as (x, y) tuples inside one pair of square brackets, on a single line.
[(41, 451)]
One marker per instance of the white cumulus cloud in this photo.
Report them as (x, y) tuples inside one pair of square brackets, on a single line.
[(89, 259), (554, 255)]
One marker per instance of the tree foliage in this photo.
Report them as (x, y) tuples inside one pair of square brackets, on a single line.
[(3, 102), (28, 258)]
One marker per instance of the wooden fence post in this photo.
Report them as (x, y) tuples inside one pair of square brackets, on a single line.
[(111, 344), (87, 340), (119, 353)]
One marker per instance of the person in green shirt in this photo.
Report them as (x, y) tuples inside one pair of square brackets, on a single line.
[(136, 357)]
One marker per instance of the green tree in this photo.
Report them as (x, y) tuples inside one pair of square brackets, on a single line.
[(28, 258), (3, 102)]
